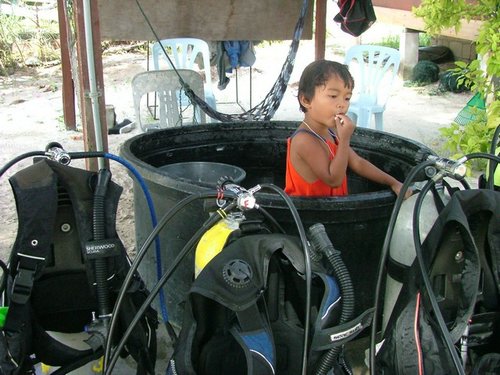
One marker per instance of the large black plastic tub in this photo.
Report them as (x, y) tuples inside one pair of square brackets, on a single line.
[(356, 223)]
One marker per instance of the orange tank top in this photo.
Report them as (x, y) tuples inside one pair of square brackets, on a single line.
[(295, 185)]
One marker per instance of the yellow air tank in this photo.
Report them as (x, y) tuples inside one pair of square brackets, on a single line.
[(213, 241)]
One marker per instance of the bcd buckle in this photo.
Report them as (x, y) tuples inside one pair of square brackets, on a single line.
[(21, 288), (23, 281)]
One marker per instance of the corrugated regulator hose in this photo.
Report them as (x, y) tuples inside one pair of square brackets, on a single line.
[(99, 228), (321, 243)]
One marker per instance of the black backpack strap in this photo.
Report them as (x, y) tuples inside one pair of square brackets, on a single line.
[(493, 237), (256, 339), (35, 192)]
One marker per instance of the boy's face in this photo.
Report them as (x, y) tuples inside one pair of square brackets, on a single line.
[(328, 101)]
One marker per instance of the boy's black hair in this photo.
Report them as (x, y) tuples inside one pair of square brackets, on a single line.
[(317, 73)]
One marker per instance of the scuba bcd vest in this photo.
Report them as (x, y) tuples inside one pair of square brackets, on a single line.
[(66, 249), (245, 313), (462, 257)]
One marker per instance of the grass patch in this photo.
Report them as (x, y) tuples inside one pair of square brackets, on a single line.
[(392, 41)]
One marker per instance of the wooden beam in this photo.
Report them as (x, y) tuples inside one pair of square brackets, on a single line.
[(468, 31), (210, 20), (320, 30), (68, 86)]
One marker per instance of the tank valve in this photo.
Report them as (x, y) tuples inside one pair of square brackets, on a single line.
[(244, 198)]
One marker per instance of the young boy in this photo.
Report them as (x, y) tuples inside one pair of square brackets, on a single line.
[(319, 152)]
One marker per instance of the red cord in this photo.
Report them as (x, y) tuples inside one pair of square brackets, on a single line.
[(417, 336)]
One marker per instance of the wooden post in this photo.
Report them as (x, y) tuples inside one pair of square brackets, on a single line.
[(68, 86), (320, 29), (89, 136)]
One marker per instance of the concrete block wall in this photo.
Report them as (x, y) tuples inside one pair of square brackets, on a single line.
[(463, 50)]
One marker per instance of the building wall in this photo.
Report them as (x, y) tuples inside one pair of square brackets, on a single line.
[(463, 50)]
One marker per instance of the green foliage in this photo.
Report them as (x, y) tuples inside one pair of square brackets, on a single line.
[(424, 40), (442, 14), (29, 36), (473, 137), (10, 29), (392, 41)]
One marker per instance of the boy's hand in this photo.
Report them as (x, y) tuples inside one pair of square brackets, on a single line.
[(345, 126), (396, 188)]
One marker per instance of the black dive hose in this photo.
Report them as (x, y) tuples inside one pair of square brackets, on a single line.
[(322, 245), (425, 277), (277, 227), (212, 220), (424, 273), (99, 228), (133, 268), (18, 158)]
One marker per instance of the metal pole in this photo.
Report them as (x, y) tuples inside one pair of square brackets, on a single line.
[(93, 94)]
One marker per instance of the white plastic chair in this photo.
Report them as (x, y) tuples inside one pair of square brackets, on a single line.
[(184, 52), (166, 85), (374, 69)]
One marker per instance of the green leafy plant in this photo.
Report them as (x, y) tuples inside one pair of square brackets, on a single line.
[(478, 75), (392, 41), (473, 137), (10, 30), (27, 37)]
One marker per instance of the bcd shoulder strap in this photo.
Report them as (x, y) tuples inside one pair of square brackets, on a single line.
[(35, 191)]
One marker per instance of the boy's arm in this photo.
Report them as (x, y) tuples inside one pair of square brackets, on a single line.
[(313, 162), (371, 172)]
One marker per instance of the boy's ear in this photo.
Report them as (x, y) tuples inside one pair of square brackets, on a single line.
[(305, 101)]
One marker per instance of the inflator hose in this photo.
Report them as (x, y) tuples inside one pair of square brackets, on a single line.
[(322, 245), (100, 264), (149, 200)]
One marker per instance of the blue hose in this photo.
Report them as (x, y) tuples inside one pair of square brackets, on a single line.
[(154, 221)]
